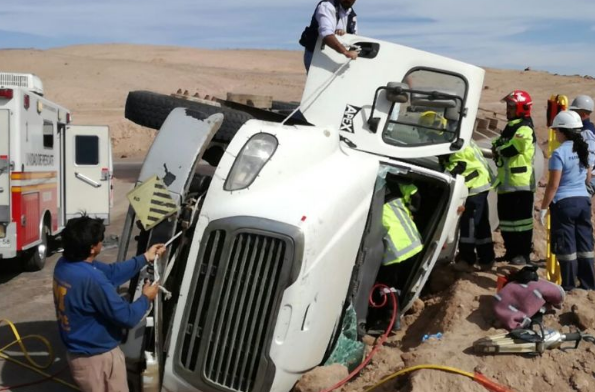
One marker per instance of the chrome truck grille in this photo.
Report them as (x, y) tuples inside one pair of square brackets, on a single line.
[(233, 305)]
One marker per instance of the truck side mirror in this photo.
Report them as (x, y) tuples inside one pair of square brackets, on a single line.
[(395, 93)]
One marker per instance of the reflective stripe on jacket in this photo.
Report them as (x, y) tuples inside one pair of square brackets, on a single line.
[(515, 173), (477, 173), (403, 239)]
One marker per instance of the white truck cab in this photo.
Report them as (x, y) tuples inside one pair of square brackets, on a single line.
[(286, 232), (50, 170)]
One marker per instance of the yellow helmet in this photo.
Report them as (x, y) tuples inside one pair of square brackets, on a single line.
[(431, 119)]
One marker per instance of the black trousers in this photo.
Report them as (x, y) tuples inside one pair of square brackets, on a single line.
[(475, 240), (515, 211)]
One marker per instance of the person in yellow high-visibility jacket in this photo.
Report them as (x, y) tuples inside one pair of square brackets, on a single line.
[(513, 153), (402, 242), (475, 239)]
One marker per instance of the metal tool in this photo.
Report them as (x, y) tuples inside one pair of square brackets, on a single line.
[(528, 341)]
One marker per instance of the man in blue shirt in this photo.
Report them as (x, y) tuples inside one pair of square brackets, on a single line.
[(331, 18), (91, 314)]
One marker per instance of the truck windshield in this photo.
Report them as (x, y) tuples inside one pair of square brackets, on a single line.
[(432, 113)]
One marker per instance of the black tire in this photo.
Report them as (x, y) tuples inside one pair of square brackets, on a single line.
[(36, 257), (284, 106), (151, 109)]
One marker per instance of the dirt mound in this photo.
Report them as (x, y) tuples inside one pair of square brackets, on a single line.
[(462, 311)]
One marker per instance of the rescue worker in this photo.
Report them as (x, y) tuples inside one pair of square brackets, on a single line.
[(513, 153), (401, 243), (432, 124), (331, 18), (475, 239), (570, 204), (91, 315), (583, 105)]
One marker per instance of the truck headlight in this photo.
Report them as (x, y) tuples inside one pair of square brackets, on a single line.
[(250, 161), (2, 230)]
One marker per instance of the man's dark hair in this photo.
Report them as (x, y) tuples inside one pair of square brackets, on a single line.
[(79, 235)]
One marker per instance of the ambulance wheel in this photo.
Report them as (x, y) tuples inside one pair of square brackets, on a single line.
[(151, 109), (38, 255)]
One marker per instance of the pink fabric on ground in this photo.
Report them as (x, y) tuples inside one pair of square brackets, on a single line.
[(516, 303)]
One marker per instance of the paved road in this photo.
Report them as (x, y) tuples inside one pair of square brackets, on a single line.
[(26, 300)]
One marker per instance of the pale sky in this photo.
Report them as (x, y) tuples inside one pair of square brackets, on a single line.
[(546, 35)]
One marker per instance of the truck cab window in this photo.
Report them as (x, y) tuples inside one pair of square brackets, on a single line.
[(86, 150), (432, 113)]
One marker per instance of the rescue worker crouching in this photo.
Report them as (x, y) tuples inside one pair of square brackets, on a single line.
[(401, 243), (513, 153), (475, 236)]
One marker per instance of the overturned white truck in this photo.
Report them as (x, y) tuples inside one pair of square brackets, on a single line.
[(282, 229)]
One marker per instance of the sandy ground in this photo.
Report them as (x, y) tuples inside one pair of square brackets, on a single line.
[(93, 82)]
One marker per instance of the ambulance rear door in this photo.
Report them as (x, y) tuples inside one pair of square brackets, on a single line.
[(87, 171), (4, 176)]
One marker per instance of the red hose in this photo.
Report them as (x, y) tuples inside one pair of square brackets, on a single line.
[(380, 341)]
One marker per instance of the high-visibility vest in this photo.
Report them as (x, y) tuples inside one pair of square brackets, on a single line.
[(403, 239), (478, 175), (516, 173)]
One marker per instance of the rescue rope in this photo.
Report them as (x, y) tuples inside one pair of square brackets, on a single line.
[(320, 88), (32, 364)]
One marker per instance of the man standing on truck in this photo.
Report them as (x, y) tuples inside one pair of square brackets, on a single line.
[(91, 315), (513, 153), (331, 18)]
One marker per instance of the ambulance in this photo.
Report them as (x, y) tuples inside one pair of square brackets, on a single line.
[(50, 170)]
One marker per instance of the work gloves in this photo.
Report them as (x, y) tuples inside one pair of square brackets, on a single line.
[(541, 216)]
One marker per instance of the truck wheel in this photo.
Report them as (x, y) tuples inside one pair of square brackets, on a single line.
[(37, 256), (151, 109), (284, 106)]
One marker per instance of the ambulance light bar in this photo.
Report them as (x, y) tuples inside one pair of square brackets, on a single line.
[(27, 81)]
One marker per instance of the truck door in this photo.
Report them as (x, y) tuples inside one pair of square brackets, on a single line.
[(4, 173), (432, 112), (87, 171)]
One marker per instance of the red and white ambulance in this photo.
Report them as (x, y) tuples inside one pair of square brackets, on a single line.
[(50, 170)]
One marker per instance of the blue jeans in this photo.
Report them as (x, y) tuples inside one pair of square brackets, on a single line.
[(308, 59), (572, 241)]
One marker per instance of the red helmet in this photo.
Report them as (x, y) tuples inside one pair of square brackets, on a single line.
[(522, 100)]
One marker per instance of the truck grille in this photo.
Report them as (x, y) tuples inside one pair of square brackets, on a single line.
[(237, 287)]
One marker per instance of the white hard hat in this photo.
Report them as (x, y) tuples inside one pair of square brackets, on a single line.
[(582, 102), (567, 119)]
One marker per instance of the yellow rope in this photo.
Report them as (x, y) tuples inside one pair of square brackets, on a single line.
[(32, 365), (419, 367)]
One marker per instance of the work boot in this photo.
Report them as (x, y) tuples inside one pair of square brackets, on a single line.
[(518, 260), (463, 266), (487, 266), (505, 257)]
